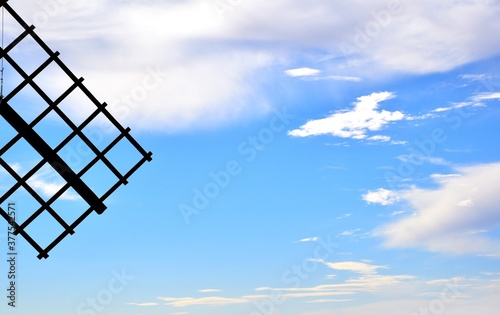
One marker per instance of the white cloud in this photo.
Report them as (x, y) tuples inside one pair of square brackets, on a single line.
[(446, 215), (302, 72), (415, 38), (382, 196), (353, 123), (217, 68), (159, 65)]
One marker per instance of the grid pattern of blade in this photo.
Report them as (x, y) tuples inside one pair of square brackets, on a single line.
[(52, 156)]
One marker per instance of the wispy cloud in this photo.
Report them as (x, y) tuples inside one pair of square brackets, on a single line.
[(380, 138), (475, 77), (308, 240), (334, 78), (348, 233), (206, 301), (445, 216), (491, 274), (411, 158), (45, 182), (367, 281), (209, 291), (344, 216), (455, 106), (330, 301), (484, 305), (363, 284), (396, 213), (144, 304), (354, 123), (443, 178), (486, 96), (50, 188), (352, 266), (309, 74), (15, 166), (473, 101)]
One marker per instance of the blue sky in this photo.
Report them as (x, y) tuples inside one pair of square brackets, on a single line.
[(310, 158)]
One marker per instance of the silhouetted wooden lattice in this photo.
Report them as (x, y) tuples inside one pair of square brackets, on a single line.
[(51, 156)]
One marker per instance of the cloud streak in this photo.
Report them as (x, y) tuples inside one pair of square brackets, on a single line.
[(366, 280), (352, 266), (206, 301), (302, 72)]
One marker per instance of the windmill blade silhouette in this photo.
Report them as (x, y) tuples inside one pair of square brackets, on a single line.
[(51, 157)]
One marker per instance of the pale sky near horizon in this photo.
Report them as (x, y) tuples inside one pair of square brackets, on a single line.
[(310, 158)]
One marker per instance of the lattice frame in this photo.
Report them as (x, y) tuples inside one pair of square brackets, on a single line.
[(51, 156)]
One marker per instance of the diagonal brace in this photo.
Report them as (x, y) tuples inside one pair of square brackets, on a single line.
[(16, 121)]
